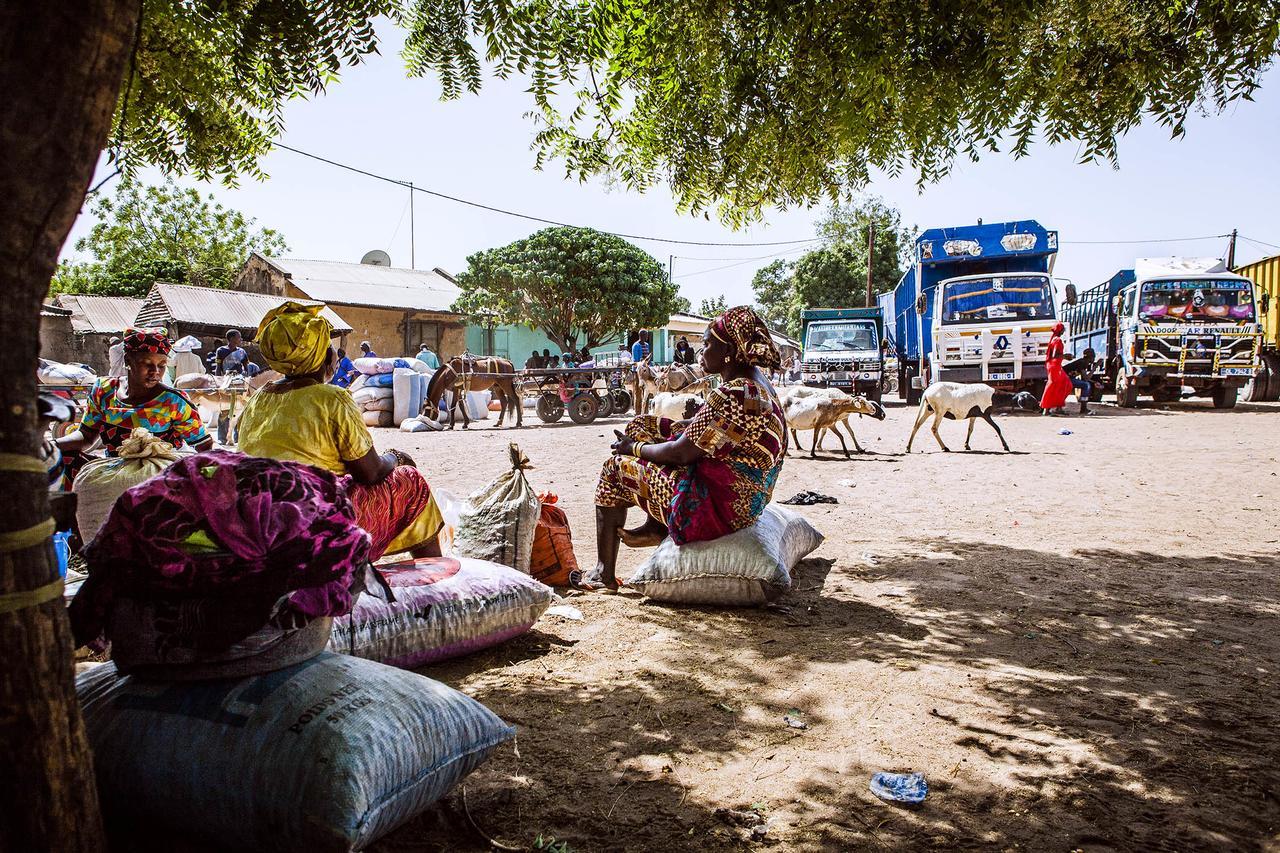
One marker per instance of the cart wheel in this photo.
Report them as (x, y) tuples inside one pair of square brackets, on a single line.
[(550, 409), (604, 405), (583, 408), (621, 400)]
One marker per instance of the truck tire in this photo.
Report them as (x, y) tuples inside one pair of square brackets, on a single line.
[(1255, 390), (1271, 361), (1224, 396), (1126, 392)]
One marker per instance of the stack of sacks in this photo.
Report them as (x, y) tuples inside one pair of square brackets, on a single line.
[(217, 582), (222, 564), (55, 373), (442, 607), (375, 404)]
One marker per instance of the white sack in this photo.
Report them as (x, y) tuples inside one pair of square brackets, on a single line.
[(498, 521), (102, 481)]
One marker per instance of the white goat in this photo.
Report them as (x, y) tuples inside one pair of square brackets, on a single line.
[(822, 413), (803, 392), (959, 401), (677, 407)]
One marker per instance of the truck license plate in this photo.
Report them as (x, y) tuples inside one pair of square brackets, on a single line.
[(997, 377), (1237, 371)]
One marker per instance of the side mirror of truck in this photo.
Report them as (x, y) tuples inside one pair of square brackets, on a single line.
[(921, 304), (1071, 294), (1265, 305)]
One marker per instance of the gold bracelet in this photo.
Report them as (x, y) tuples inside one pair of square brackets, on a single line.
[(636, 447)]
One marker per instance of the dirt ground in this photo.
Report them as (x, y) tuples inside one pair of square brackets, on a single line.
[(1075, 643)]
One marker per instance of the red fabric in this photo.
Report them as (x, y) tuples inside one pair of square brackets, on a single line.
[(1058, 388), (389, 507)]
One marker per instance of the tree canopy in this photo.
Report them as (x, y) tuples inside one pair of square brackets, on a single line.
[(753, 103), (713, 307), (835, 274), (568, 282), (149, 233)]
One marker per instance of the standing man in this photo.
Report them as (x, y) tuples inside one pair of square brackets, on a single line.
[(232, 357), (115, 357), (367, 350), (345, 373), (533, 362), (429, 358), (640, 350), (684, 352)]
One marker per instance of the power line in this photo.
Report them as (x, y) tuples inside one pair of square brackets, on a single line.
[(745, 261), (1259, 242), (1132, 242), (530, 217)]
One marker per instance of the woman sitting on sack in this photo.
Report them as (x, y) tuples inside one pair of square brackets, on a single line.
[(704, 478), (119, 404), (302, 418)]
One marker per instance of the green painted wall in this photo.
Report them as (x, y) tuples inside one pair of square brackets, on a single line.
[(518, 342)]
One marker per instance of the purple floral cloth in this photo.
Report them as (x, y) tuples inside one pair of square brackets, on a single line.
[(256, 541)]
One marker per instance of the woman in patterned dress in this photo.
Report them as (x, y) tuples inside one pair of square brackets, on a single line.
[(118, 405), (704, 478)]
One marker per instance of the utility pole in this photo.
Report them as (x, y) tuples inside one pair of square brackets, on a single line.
[(871, 253), (1231, 251), (671, 262), (413, 251)]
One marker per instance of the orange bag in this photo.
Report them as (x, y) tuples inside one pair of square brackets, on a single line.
[(552, 558)]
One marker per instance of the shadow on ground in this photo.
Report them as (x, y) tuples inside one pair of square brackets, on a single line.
[(1104, 700)]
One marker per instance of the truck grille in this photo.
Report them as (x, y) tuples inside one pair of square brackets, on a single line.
[(824, 365), (1195, 353)]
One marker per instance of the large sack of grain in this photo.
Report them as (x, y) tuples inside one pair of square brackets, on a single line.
[(444, 607), (376, 419), (325, 755), (409, 389), (56, 373), (420, 424), (385, 404), (374, 366), (748, 568), (365, 394), (141, 456), (497, 523)]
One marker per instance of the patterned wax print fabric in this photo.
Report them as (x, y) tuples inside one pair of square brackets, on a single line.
[(252, 541), (741, 429), (169, 415), (320, 425), (742, 329)]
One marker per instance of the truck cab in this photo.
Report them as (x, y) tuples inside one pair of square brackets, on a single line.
[(1172, 323), (977, 305), (842, 349)]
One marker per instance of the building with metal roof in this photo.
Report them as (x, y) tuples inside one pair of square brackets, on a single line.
[(395, 309), (101, 314)]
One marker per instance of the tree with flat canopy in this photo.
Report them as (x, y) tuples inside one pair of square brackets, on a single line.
[(737, 107), (570, 283)]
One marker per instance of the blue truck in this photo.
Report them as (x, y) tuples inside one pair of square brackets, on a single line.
[(977, 304), (1169, 324), (841, 349)]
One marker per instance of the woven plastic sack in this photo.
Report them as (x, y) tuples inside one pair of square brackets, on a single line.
[(444, 607), (326, 755), (366, 394), (552, 558), (374, 366), (497, 523), (141, 456), (377, 419), (384, 404), (748, 568), (56, 373)]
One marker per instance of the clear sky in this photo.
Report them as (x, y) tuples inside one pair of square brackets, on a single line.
[(1224, 174)]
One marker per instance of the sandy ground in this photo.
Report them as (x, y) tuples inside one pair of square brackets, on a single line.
[(1076, 643)]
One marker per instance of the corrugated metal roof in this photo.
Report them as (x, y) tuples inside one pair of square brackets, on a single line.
[(101, 313), (211, 306), (364, 284)]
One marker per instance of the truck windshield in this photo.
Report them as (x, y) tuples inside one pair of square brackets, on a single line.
[(831, 337), (997, 298), (1205, 300)]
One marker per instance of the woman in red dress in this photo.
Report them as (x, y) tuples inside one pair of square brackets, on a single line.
[(1058, 388)]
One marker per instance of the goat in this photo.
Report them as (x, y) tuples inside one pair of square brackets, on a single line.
[(677, 407), (804, 392), (959, 401), (822, 413)]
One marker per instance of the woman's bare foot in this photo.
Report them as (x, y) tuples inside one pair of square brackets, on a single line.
[(593, 580), (646, 535)]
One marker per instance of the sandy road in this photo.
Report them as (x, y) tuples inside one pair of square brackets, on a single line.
[(1076, 643)]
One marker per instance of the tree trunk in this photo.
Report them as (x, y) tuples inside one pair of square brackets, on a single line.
[(61, 67)]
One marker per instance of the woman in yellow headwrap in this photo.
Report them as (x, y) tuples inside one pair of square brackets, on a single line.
[(302, 418)]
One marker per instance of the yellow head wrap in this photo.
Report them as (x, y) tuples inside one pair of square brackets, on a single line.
[(294, 338)]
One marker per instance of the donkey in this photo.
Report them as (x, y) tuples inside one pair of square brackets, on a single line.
[(474, 374)]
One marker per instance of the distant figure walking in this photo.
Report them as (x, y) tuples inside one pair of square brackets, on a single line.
[(1058, 388), (429, 358)]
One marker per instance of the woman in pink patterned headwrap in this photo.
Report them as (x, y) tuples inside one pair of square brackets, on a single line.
[(704, 478)]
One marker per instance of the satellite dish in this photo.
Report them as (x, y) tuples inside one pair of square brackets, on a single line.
[(376, 258)]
